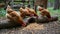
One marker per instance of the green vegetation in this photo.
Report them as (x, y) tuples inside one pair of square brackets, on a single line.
[(2, 12), (54, 12), (51, 0), (1, 1)]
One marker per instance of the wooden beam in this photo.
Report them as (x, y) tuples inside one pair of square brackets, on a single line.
[(44, 19), (6, 23)]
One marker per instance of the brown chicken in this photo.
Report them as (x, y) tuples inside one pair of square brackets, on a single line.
[(24, 12), (14, 16), (28, 12), (32, 12), (44, 12)]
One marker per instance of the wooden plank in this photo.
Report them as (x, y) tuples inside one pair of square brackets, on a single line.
[(44, 19)]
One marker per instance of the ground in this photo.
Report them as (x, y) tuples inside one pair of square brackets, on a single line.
[(34, 28)]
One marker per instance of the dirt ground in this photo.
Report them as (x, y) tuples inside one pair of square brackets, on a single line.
[(35, 28)]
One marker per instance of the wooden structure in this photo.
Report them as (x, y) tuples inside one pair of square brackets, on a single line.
[(41, 2), (44, 19), (6, 23)]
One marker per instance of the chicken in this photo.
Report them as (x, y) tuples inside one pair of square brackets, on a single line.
[(14, 16), (28, 12), (32, 12), (24, 12), (45, 12)]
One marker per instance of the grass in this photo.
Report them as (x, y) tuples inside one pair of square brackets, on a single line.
[(54, 12), (2, 12)]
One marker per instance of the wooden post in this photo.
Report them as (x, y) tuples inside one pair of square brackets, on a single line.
[(41, 2), (7, 2), (36, 8), (44, 19), (12, 2), (23, 2)]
